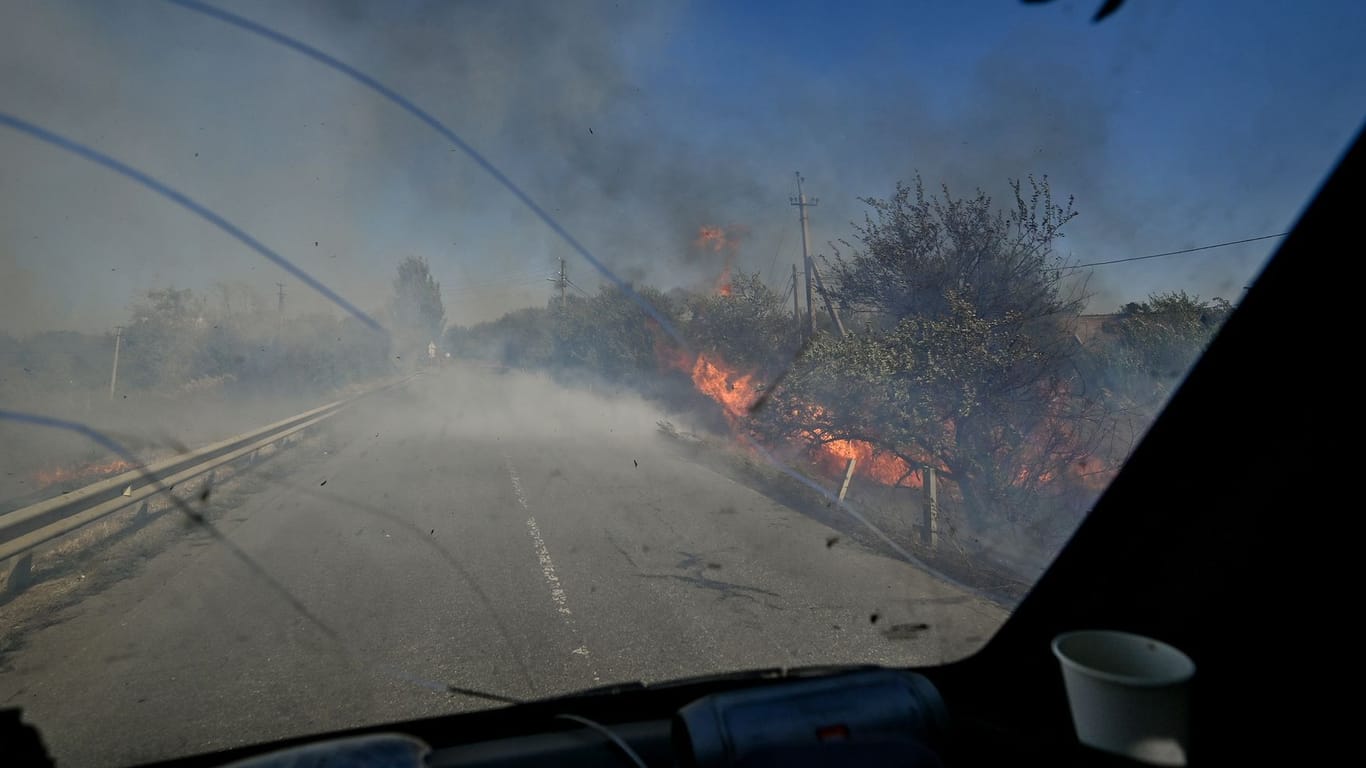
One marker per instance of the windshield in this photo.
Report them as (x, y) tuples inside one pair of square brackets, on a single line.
[(369, 361)]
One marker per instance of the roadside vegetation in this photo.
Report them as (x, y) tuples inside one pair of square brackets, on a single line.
[(965, 351)]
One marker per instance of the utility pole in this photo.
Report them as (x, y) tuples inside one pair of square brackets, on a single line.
[(114, 377), (796, 309), (281, 307), (820, 286), (561, 282), (802, 204), (227, 304)]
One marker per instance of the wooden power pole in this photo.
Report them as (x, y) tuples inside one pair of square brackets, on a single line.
[(114, 377), (802, 204), (561, 282), (280, 309), (825, 297)]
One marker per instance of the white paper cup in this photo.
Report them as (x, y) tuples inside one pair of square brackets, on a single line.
[(1129, 694)]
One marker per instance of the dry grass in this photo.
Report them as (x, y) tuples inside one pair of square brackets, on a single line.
[(95, 557), (896, 512)]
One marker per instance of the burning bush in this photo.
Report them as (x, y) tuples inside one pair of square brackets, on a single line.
[(963, 362), (962, 357), (747, 325)]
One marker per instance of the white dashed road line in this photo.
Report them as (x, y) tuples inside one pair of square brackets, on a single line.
[(552, 579)]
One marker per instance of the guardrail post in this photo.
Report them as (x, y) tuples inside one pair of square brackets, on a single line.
[(929, 533), (25, 528), (20, 574), (848, 475)]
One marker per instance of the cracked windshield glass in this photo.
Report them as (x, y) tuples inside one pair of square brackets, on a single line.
[(369, 361)]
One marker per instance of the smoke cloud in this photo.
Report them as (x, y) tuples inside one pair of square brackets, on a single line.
[(605, 113)]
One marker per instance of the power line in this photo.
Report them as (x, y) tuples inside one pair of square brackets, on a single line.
[(527, 272), (465, 287), (787, 291), (562, 282), (773, 263), (487, 290), (1176, 253)]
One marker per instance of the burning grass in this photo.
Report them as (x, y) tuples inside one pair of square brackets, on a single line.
[(737, 392), (45, 478)]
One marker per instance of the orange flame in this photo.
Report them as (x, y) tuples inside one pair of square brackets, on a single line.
[(718, 240), (723, 282), (713, 378), (1054, 439), (46, 477), (880, 467), (713, 239), (736, 392)]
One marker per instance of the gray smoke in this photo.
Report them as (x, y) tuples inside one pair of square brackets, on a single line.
[(566, 99)]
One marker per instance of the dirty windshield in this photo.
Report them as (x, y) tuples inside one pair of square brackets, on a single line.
[(369, 361)]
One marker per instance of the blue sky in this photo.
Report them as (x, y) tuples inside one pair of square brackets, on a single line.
[(1174, 125), (1213, 121)]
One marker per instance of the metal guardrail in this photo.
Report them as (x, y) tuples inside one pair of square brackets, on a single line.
[(23, 529)]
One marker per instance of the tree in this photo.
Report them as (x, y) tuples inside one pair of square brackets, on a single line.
[(238, 305), (523, 338), (750, 327), (962, 361), (1153, 344), (610, 335), (917, 249), (161, 342), (173, 337), (416, 306)]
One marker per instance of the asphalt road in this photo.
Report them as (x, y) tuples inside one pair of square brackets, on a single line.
[(491, 532)]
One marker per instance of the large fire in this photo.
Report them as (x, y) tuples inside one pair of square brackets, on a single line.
[(879, 466), (736, 392), (46, 477)]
